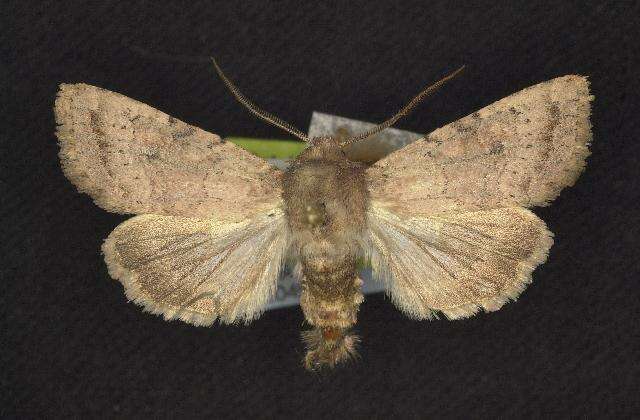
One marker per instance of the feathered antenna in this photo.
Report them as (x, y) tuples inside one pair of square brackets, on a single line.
[(263, 115), (404, 111)]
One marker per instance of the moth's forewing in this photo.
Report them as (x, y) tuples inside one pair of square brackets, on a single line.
[(133, 159), (522, 150)]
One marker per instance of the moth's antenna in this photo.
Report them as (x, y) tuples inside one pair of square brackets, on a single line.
[(404, 111), (270, 118)]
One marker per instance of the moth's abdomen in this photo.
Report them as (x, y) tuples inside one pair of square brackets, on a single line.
[(331, 292), (330, 298)]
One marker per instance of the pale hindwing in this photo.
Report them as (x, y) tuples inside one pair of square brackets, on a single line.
[(520, 151), (459, 263), (133, 159), (198, 270)]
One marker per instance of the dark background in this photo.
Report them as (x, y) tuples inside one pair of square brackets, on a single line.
[(73, 346)]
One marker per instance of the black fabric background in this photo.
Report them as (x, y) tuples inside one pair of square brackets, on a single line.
[(73, 346)]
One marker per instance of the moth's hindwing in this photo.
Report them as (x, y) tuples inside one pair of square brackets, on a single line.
[(456, 264), (198, 270)]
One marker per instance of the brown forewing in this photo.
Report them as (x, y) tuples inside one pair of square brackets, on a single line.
[(133, 159), (522, 150)]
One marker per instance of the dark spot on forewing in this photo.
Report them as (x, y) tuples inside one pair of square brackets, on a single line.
[(514, 111), (554, 120), (189, 131), (525, 183), (496, 148), (152, 155), (554, 111), (96, 123), (546, 136), (464, 127)]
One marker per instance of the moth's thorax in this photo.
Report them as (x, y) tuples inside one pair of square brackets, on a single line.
[(326, 201)]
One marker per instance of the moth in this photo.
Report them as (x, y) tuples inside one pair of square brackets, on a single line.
[(444, 222)]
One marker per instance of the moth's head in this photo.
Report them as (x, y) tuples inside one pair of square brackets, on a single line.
[(327, 143), (323, 147)]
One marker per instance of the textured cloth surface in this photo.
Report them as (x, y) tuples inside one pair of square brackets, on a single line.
[(73, 346)]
